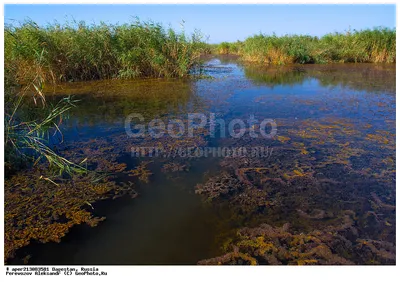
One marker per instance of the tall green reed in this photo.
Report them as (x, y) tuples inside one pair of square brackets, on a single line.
[(376, 45), (37, 56), (78, 51)]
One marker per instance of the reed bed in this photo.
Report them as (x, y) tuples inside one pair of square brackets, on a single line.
[(78, 51), (75, 51), (376, 45), (226, 48)]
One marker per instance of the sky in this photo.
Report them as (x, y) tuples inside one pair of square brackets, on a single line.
[(220, 22)]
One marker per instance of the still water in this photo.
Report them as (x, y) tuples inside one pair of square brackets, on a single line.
[(334, 122)]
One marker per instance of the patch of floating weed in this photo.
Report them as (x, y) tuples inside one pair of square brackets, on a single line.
[(41, 210), (141, 172), (44, 208), (342, 155), (266, 244), (276, 245), (384, 138), (223, 184), (174, 167), (384, 251), (283, 139)]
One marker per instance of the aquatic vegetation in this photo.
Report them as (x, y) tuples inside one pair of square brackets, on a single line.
[(266, 244), (174, 167), (328, 136), (384, 251), (28, 122), (283, 139), (384, 138), (366, 46), (43, 210), (26, 141), (276, 245), (379, 204), (226, 48), (314, 177), (79, 51), (99, 155), (253, 190), (315, 214), (141, 172), (375, 46), (217, 186), (331, 179), (251, 200)]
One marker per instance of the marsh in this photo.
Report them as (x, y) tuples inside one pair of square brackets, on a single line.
[(328, 184)]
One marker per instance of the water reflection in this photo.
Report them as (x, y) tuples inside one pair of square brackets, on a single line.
[(364, 77), (111, 101)]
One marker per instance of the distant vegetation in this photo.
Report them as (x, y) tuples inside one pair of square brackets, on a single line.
[(367, 46), (225, 48)]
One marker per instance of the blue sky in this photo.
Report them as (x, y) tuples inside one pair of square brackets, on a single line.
[(221, 22)]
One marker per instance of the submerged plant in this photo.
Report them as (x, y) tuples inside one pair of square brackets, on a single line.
[(266, 244), (43, 210), (141, 172)]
